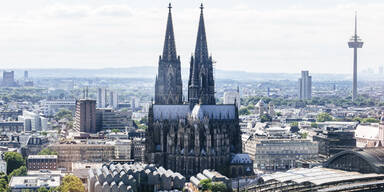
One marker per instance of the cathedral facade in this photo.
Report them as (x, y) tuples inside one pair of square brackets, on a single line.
[(190, 136)]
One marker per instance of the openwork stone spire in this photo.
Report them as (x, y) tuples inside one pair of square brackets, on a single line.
[(168, 86), (201, 83), (201, 50), (169, 51)]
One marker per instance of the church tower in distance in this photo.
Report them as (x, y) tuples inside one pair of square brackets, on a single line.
[(168, 85)]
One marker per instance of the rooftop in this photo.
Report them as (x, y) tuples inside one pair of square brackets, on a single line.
[(373, 156), (241, 158), (175, 112), (318, 176), (22, 182), (42, 157)]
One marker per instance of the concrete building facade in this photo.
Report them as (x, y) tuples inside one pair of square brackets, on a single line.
[(85, 116), (232, 97), (279, 154), (69, 153), (102, 97), (37, 162), (305, 86)]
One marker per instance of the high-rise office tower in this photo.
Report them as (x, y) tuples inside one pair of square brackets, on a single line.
[(9, 79), (85, 116), (305, 85), (25, 75), (355, 42), (133, 103), (232, 97), (102, 97), (113, 99)]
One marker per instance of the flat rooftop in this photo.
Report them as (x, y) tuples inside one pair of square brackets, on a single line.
[(42, 157), (28, 182)]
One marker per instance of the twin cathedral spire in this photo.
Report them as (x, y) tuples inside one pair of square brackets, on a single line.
[(201, 85)]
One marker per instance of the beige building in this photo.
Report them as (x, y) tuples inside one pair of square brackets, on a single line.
[(370, 135), (130, 149), (279, 154), (71, 152), (123, 149)]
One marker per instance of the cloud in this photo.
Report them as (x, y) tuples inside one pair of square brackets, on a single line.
[(113, 10), (244, 36), (63, 11)]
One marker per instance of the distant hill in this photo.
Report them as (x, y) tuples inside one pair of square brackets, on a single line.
[(150, 73)]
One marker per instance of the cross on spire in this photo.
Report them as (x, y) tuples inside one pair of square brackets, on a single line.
[(201, 50)]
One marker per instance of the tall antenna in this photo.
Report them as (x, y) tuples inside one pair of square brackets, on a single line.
[(355, 42), (355, 23)]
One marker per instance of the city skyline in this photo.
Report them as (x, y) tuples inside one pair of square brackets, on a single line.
[(288, 37)]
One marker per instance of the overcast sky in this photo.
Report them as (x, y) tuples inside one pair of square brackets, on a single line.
[(249, 35)]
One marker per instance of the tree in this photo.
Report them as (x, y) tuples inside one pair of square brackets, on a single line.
[(71, 183), (47, 151), (3, 182), (314, 125), (115, 130), (370, 120), (42, 189), (244, 111), (322, 117), (250, 107), (358, 119), (294, 127), (64, 113), (21, 171), (208, 185), (142, 126), (14, 161), (205, 184), (304, 135), (265, 118), (218, 187), (144, 120)]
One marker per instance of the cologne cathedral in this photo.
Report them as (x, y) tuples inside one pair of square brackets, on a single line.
[(190, 136)]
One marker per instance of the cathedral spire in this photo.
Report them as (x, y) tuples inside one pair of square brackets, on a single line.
[(169, 51), (201, 50), (168, 85), (201, 84)]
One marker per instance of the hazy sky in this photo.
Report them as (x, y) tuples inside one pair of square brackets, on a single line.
[(251, 35)]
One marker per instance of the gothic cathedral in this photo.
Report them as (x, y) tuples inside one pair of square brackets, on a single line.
[(190, 136)]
